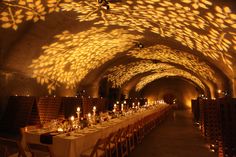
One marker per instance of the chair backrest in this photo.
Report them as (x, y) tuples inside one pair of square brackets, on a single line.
[(116, 137), (101, 144), (10, 144), (124, 132)]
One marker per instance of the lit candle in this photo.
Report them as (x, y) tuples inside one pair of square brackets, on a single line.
[(78, 109), (60, 130), (122, 107), (78, 113), (89, 115), (72, 118), (133, 105), (125, 102), (94, 110), (114, 108)]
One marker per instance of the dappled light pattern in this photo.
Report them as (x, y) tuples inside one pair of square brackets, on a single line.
[(14, 12), (166, 54), (120, 74), (198, 24), (168, 73), (68, 60)]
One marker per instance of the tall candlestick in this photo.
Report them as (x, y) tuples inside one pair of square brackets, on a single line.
[(89, 116), (72, 118), (78, 109), (78, 114), (94, 110)]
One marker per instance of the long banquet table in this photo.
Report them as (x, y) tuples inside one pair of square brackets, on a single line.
[(80, 140)]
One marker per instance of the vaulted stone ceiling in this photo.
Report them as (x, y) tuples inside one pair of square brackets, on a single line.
[(68, 43)]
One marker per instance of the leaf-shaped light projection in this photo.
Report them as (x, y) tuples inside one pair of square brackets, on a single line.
[(188, 21), (165, 73), (120, 74), (198, 3), (166, 54), (73, 56), (17, 11)]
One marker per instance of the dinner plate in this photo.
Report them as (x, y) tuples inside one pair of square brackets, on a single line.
[(54, 133)]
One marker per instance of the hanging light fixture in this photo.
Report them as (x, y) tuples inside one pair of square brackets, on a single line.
[(104, 4), (139, 44)]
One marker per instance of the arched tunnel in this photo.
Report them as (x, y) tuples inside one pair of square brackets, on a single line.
[(174, 51)]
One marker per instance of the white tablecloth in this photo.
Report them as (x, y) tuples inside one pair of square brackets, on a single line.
[(78, 141)]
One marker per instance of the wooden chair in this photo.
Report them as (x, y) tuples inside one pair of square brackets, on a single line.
[(99, 149), (123, 142), (137, 133), (141, 130), (10, 147), (113, 143), (131, 138)]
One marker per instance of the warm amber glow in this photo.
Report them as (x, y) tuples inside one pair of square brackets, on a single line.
[(118, 75), (165, 73), (73, 56), (191, 22), (201, 25), (17, 11), (166, 54), (197, 24)]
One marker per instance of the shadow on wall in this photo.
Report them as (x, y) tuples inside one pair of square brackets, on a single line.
[(173, 90)]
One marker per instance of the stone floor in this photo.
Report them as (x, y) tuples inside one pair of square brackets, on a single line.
[(175, 137)]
